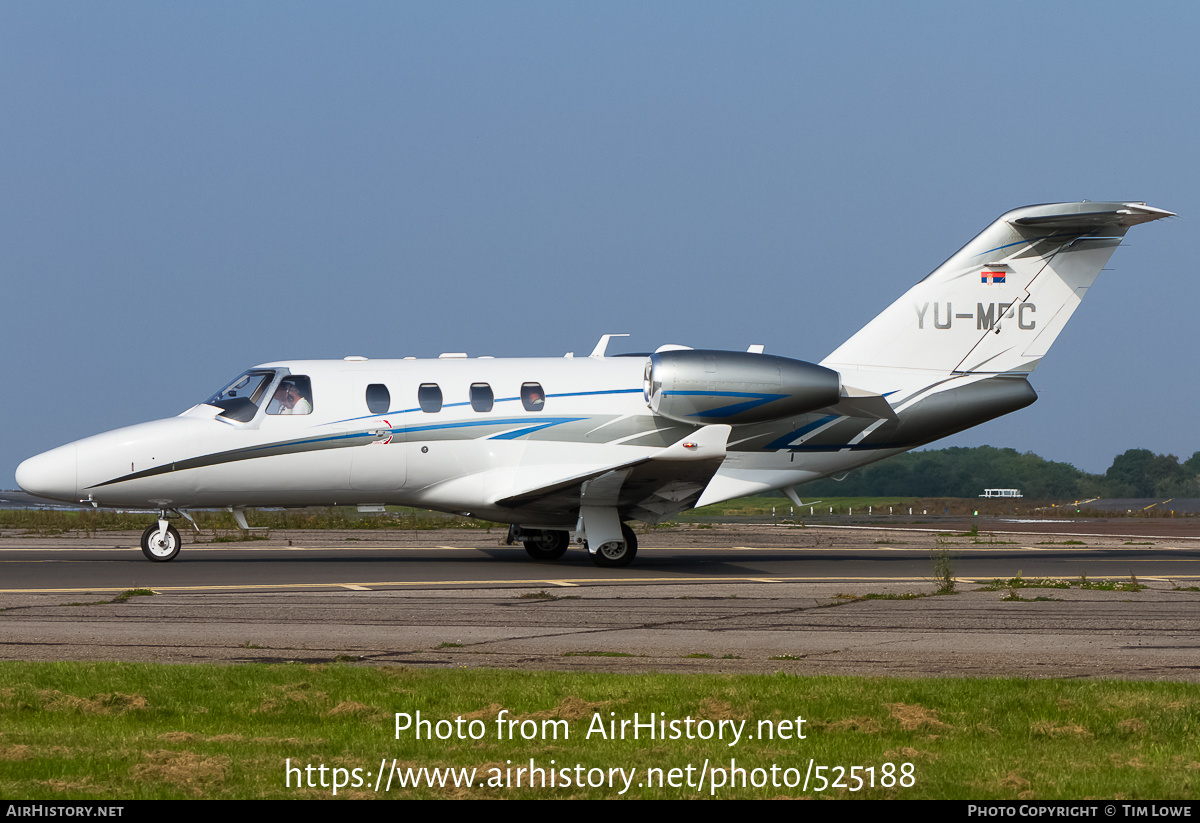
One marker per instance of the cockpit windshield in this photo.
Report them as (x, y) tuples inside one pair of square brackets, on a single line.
[(240, 399)]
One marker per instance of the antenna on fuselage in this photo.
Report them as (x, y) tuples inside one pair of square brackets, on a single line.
[(602, 346)]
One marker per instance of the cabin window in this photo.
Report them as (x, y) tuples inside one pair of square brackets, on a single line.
[(294, 396), (240, 399), (532, 396), (378, 398), (429, 396), (482, 397)]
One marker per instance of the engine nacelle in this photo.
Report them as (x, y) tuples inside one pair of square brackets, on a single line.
[(701, 386)]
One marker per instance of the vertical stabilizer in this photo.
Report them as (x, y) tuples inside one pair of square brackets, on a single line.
[(998, 304)]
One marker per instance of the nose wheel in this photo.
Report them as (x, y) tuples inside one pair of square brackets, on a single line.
[(158, 545)]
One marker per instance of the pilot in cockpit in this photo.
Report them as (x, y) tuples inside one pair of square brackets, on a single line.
[(290, 399)]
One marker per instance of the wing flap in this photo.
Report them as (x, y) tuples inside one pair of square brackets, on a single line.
[(649, 488)]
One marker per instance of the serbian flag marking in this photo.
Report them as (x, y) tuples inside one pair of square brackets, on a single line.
[(989, 278)]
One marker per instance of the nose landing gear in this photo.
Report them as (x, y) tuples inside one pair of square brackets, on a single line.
[(160, 541)]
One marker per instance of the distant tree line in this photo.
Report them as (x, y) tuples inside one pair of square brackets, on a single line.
[(962, 472)]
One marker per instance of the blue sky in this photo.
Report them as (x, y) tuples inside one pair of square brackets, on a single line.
[(188, 189)]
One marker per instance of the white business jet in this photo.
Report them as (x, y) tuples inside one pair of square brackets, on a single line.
[(569, 449)]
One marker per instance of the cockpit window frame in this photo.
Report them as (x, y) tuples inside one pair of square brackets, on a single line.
[(237, 407)]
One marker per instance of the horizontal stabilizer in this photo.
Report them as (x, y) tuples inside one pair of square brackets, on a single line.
[(1088, 216)]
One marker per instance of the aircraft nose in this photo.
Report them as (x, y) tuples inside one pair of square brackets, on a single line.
[(52, 474)]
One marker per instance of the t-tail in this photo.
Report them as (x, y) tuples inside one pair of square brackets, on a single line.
[(997, 304), (955, 350)]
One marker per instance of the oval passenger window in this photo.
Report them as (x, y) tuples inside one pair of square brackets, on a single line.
[(481, 397), (378, 398), (429, 396)]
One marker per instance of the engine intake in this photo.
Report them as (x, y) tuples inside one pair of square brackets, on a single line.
[(704, 386)]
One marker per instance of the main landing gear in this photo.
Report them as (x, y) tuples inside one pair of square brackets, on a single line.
[(549, 544), (615, 553), (543, 544)]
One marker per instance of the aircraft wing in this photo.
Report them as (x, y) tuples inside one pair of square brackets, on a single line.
[(650, 488)]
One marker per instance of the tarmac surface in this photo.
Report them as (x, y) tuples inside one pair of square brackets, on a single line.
[(761, 598)]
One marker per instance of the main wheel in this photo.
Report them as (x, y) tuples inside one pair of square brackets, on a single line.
[(160, 549), (610, 556), (547, 545)]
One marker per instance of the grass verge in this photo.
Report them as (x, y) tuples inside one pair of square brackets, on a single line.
[(1019, 582), (130, 731)]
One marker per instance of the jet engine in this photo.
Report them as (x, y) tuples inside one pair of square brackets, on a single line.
[(703, 386)]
